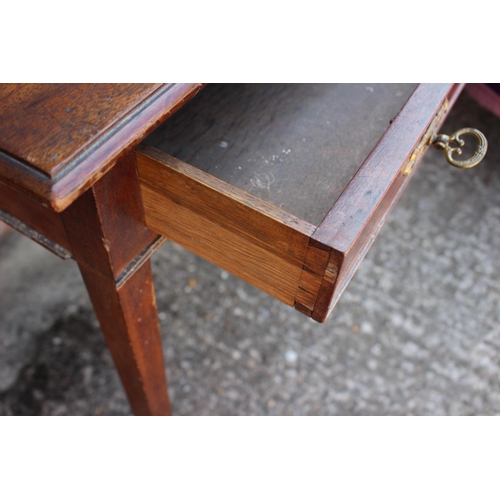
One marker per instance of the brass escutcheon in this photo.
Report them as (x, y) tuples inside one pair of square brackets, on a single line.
[(442, 142)]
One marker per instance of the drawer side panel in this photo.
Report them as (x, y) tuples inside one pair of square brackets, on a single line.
[(235, 231)]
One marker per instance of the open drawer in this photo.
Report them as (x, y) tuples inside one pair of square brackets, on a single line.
[(286, 186)]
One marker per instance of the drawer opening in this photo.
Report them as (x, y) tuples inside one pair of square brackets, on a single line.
[(296, 146), (285, 186)]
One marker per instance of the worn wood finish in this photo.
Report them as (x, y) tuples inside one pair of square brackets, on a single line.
[(57, 147), (32, 234), (314, 270), (307, 265), (294, 145), (106, 231), (56, 141), (45, 125), (233, 229), (129, 321), (113, 228), (353, 222), (228, 225), (41, 224)]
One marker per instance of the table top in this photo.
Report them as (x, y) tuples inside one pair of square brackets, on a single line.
[(57, 139)]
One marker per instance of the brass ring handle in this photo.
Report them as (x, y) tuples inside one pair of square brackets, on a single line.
[(442, 142)]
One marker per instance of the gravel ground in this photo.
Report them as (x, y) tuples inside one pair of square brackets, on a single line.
[(416, 333)]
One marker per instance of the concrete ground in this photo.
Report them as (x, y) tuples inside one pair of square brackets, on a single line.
[(416, 333)]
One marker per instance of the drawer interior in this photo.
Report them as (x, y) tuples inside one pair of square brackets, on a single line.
[(284, 185), (296, 146)]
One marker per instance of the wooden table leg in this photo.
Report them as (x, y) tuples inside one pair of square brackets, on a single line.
[(112, 246), (129, 321)]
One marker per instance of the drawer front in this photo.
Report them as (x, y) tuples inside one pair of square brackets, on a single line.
[(354, 221), (306, 266)]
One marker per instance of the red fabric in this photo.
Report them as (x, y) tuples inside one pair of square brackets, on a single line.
[(487, 95)]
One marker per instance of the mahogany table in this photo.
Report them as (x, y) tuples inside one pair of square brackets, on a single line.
[(68, 180), (285, 186)]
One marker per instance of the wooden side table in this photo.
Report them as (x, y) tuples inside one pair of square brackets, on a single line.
[(74, 178), (68, 180)]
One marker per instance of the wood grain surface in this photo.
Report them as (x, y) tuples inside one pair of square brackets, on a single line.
[(57, 140), (106, 224), (296, 146), (106, 231), (45, 125), (217, 219), (354, 221), (37, 218), (129, 321), (232, 229)]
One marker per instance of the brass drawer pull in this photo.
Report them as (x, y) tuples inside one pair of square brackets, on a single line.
[(442, 142)]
